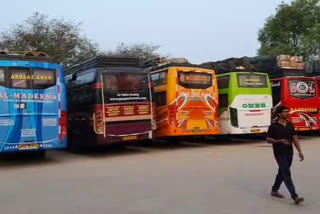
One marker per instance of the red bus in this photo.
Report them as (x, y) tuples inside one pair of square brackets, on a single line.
[(109, 102), (301, 96), (292, 88)]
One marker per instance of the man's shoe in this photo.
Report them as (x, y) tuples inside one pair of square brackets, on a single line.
[(298, 200), (276, 194)]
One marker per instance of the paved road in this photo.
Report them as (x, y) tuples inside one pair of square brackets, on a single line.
[(195, 178)]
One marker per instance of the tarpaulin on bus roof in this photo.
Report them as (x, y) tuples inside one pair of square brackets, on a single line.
[(313, 67), (230, 65), (269, 65)]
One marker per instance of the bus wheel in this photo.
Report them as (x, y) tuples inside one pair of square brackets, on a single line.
[(172, 140), (146, 143), (73, 148), (40, 154)]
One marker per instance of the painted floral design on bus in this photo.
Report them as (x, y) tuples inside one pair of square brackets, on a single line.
[(194, 110)]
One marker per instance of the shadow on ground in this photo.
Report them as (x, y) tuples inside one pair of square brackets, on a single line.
[(18, 160), (54, 157)]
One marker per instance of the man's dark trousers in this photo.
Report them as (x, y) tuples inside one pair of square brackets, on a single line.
[(284, 174)]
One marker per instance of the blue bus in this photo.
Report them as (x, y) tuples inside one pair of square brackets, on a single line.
[(33, 106)]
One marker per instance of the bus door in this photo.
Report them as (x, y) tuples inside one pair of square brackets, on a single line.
[(196, 105), (30, 112)]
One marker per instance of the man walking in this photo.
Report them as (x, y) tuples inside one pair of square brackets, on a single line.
[(282, 135)]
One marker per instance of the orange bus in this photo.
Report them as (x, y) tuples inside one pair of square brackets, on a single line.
[(187, 101)]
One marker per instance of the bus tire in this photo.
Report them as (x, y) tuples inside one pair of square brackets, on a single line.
[(172, 140), (146, 143), (75, 149), (41, 155), (72, 147), (118, 146)]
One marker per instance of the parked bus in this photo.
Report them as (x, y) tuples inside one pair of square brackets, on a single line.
[(245, 102), (291, 88), (186, 97), (109, 102), (33, 110), (301, 95)]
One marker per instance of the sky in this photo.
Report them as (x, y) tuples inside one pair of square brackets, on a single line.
[(199, 30)]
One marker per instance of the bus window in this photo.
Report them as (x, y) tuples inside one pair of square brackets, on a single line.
[(276, 92), (43, 79), (302, 89), (223, 82), (86, 78), (252, 81), (124, 82), (20, 78), (193, 80), (159, 78), (124, 87), (223, 101)]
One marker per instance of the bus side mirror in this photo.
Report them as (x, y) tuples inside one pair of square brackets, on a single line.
[(74, 77)]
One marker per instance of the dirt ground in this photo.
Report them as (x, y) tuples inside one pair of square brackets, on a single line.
[(233, 177)]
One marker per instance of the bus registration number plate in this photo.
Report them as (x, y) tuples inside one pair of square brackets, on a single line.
[(255, 131), (29, 146), (127, 138)]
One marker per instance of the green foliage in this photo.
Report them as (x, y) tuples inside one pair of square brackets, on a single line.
[(144, 51), (63, 41), (294, 29)]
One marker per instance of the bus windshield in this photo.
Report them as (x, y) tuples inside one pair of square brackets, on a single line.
[(125, 87), (194, 80), (302, 88), (23, 78), (252, 81)]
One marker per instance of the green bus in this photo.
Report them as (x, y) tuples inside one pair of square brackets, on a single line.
[(245, 102)]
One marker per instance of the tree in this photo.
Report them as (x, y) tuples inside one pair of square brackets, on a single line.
[(294, 29), (144, 51), (63, 41)]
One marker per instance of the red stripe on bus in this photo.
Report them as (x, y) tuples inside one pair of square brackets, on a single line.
[(97, 85)]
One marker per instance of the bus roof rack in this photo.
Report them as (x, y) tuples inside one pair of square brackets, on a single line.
[(161, 63), (230, 65), (102, 61), (24, 55)]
